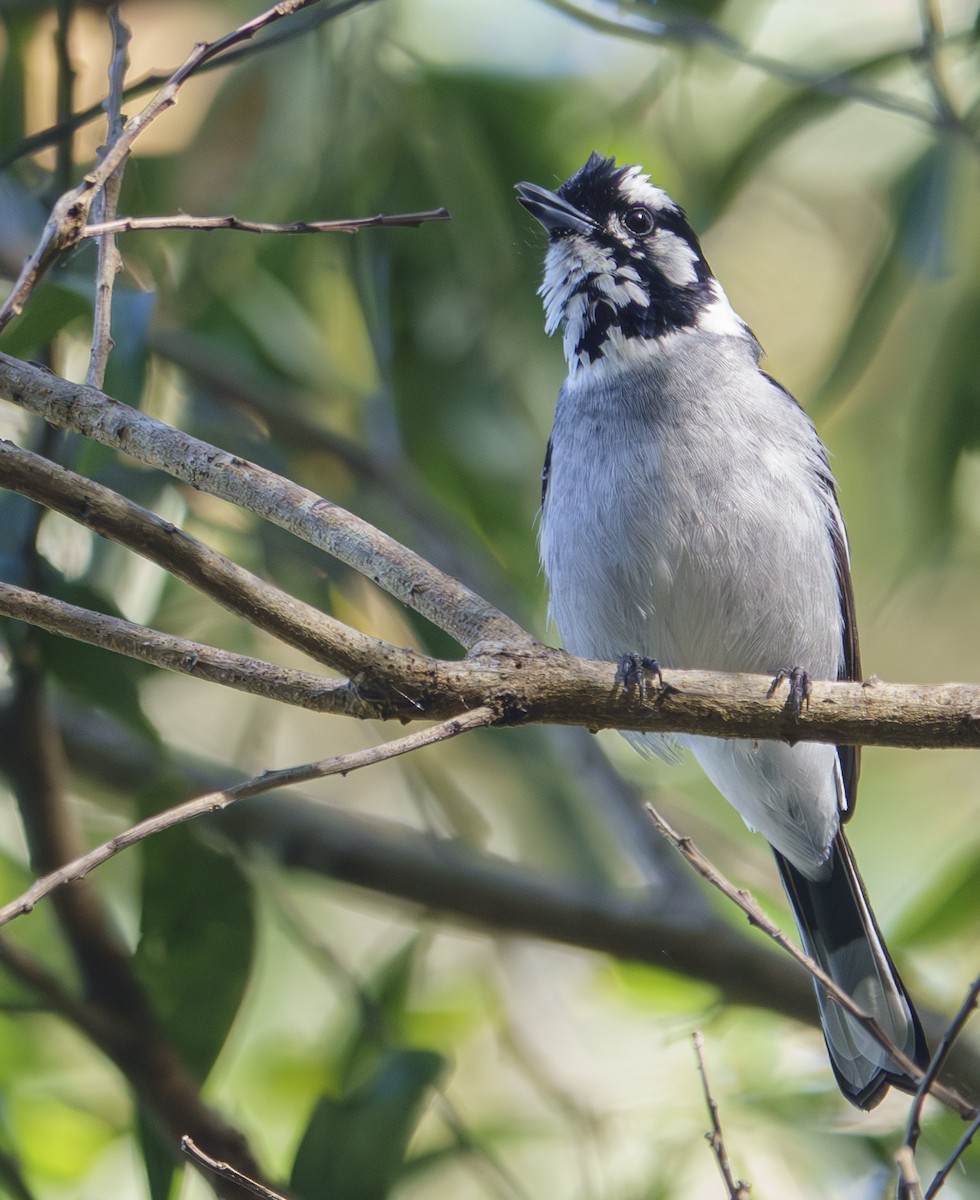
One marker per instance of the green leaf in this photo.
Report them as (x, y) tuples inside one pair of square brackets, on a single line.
[(950, 906), (18, 30), (50, 309), (354, 1145), (387, 994), (196, 941), (158, 1161)]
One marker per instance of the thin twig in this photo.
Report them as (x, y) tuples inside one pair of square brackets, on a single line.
[(218, 801), (226, 1171), (743, 900), (943, 1173), (208, 224), (954, 1029), (254, 676), (737, 1190), (108, 263), (909, 1184)]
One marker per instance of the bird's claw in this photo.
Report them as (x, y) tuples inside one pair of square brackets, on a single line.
[(800, 689), (633, 672)]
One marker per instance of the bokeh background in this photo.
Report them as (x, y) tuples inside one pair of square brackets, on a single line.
[(829, 155)]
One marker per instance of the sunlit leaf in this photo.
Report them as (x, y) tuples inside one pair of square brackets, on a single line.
[(949, 907), (355, 1144)]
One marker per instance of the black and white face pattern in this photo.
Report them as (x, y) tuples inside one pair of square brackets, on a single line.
[(624, 269)]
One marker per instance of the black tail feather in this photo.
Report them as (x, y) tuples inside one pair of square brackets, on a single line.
[(839, 930)]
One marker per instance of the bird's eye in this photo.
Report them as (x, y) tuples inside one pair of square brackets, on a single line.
[(639, 220)]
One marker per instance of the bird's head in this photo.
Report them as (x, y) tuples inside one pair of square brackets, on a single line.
[(624, 269)]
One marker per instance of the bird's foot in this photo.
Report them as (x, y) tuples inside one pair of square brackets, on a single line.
[(800, 689), (633, 674)]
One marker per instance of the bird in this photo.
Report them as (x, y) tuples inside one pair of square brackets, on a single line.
[(689, 519)]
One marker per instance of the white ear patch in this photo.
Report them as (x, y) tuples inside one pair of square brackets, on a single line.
[(675, 257)]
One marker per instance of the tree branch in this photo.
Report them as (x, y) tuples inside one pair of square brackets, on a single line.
[(109, 263), (215, 802), (961, 1147), (226, 1171), (737, 1190), (744, 901), (404, 574), (507, 668), (238, 671), (262, 604), (238, 224), (906, 1190)]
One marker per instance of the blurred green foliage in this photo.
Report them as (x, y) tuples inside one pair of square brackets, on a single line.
[(405, 375)]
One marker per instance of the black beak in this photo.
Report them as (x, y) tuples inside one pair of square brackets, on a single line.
[(554, 213)]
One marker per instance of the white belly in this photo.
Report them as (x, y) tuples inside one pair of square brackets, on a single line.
[(665, 538)]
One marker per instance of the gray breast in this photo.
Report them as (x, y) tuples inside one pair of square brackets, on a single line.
[(686, 519)]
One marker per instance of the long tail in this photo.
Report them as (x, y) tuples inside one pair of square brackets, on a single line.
[(839, 930)]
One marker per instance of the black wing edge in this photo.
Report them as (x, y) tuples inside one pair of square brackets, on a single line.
[(545, 472), (849, 757)]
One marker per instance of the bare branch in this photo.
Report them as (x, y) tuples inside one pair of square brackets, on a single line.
[(737, 1190), (262, 604), (506, 666), (909, 1184), (441, 599), (215, 802), (953, 1031), (108, 263), (226, 1171), (208, 224), (961, 1146), (758, 918), (244, 674)]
